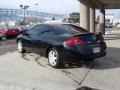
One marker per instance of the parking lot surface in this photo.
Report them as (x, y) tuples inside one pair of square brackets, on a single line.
[(32, 72), (7, 46)]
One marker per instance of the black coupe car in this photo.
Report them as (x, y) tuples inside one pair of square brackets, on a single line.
[(62, 42)]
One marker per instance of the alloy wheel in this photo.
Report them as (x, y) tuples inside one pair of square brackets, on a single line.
[(20, 47), (53, 58)]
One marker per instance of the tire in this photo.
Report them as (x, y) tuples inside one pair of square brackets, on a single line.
[(20, 47), (0, 38), (54, 58)]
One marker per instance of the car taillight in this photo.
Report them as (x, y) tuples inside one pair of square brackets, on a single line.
[(74, 41)]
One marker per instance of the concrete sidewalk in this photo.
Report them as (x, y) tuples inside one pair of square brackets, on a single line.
[(29, 73)]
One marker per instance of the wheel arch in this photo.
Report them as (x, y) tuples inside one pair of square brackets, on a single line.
[(18, 39), (47, 50)]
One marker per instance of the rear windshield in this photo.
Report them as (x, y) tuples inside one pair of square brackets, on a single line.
[(67, 29)]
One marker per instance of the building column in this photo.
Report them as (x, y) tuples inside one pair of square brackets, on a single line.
[(92, 18), (102, 21), (84, 14)]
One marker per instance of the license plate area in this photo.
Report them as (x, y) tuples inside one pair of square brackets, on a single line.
[(96, 50)]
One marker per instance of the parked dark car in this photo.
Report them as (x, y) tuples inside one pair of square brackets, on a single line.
[(62, 42), (11, 32)]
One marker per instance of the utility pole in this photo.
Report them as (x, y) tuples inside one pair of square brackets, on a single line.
[(24, 8), (36, 12)]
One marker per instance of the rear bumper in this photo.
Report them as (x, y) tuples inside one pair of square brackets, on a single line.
[(68, 54)]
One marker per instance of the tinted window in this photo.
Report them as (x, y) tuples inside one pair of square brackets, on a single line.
[(40, 29), (67, 29), (33, 30)]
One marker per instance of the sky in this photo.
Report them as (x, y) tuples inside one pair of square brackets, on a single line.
[(50, 6)]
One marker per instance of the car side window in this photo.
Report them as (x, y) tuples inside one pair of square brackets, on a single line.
[(32, 31), (40, 29), (46, 32)]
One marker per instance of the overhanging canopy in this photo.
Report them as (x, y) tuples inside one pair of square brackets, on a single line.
[(107, 4)]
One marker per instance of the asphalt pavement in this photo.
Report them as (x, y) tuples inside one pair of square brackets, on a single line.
[(7, 46)]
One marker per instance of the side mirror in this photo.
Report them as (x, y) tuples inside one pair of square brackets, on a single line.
[(21, 32)]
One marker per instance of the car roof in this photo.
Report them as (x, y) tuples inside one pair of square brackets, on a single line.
[(52, 24)]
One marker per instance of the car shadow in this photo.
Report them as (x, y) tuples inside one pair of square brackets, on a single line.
[(75, 64), (110, 61)]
